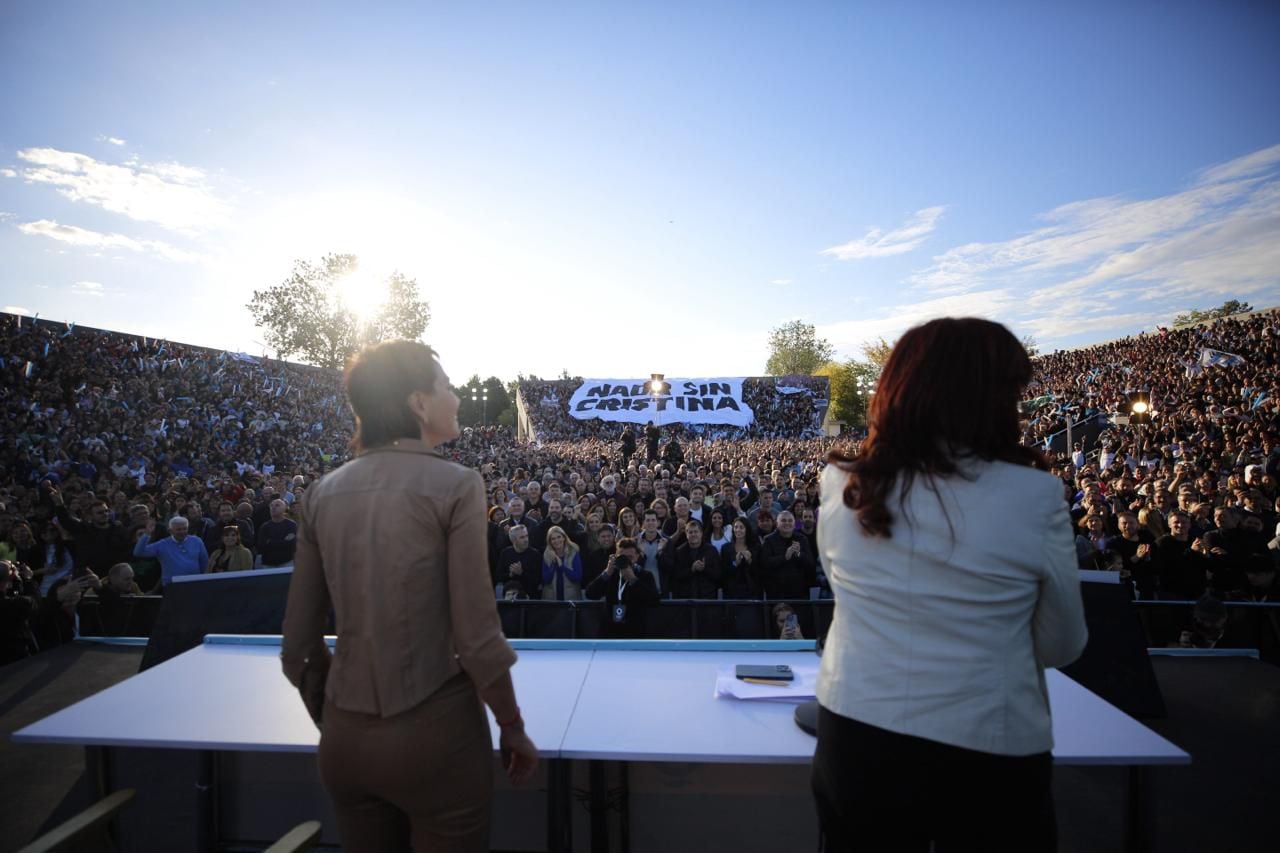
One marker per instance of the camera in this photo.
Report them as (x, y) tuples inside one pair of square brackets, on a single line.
[(621, 562)]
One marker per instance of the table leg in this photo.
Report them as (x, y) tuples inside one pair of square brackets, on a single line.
[(207, 801), (559, 827), (598, 806), (1137, 819), (624, 809)]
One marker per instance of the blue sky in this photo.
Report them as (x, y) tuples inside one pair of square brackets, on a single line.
[(618, 189)]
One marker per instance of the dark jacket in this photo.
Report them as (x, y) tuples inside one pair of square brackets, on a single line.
[(530, 577), (98, 548), (787, 577), (684, 581), (636, 597), (740, 580)]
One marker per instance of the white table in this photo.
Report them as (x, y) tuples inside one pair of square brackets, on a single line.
[(629, 701)]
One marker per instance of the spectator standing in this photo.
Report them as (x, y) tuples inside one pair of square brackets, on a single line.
[(788, 567), (277, 538), (695, 566), (627, 591), (519, 566), (231, 556), (561, 568), (179, 554)]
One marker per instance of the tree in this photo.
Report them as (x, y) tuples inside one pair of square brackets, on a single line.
[(796, 348), (491, 400), (1030, 345), (305, 314), (877, 353), (1226, 309), (850, 390)]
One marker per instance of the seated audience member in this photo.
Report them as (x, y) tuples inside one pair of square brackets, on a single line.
[(561, 568), (788, 567), (519, 566), (179, 554), (786, 621), (231, 556), (1208, 624), (740, 561), (627, 591), (278, 538), (694, 568)]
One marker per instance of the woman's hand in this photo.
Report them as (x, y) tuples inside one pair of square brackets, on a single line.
[(519, 755)]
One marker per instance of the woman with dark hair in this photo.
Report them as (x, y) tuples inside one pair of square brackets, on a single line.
[(394, 542), (739, 559), (949, 550)]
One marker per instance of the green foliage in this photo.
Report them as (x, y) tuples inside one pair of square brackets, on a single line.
[(796, 348), (877, 353), (474, 409), (304, 315), (1226, 309), (852, 383)]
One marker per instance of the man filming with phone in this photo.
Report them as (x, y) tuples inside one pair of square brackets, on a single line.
[(627, 593)]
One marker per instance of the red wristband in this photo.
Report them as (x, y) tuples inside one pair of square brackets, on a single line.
[(514, 721)]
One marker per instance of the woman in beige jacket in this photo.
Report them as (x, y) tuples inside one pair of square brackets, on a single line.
[(394, 542)]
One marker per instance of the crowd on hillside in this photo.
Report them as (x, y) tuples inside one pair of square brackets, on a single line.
[(112, 441)]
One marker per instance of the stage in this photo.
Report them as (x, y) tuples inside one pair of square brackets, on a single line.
[(698, 768)]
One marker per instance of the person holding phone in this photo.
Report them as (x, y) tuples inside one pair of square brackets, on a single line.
[(394, 542), (949, 550)]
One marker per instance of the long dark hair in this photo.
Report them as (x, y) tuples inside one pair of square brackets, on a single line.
[(379, 381), (949, 390)]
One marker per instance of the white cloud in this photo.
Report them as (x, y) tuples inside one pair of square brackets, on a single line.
[(781, 281), (172, 195), (848, 336), (1112, 239), (114, 140), (88, 288), (76, 236), (17, 309), (8, 173), (878, 244)]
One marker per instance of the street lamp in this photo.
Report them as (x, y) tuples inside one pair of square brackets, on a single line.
[(480, 394)]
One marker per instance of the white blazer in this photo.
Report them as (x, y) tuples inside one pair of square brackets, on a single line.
[(947, 638)]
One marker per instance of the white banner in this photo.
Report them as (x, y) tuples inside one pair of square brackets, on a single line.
[(685, 401)]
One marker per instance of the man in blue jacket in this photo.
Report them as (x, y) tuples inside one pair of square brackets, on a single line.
[(179, 554)]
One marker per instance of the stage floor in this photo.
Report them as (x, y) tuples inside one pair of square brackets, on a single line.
[(1218, 712)]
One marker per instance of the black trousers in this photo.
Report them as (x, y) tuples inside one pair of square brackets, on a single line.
[(877, 790)]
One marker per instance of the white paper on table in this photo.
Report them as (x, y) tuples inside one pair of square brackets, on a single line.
[(801, 689)]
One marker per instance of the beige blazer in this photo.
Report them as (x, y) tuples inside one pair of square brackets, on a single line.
[(394, 541)]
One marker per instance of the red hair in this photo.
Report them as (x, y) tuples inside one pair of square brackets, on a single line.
[(949, 391)]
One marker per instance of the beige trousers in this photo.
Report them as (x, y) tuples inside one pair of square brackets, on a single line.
[(423, 777)]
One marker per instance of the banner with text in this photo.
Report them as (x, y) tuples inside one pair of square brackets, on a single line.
[(685, 401)]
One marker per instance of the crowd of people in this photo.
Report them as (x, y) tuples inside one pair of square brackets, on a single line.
[(113, 439)]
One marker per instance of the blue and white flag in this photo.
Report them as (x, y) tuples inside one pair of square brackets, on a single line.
[(1218, 358)]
